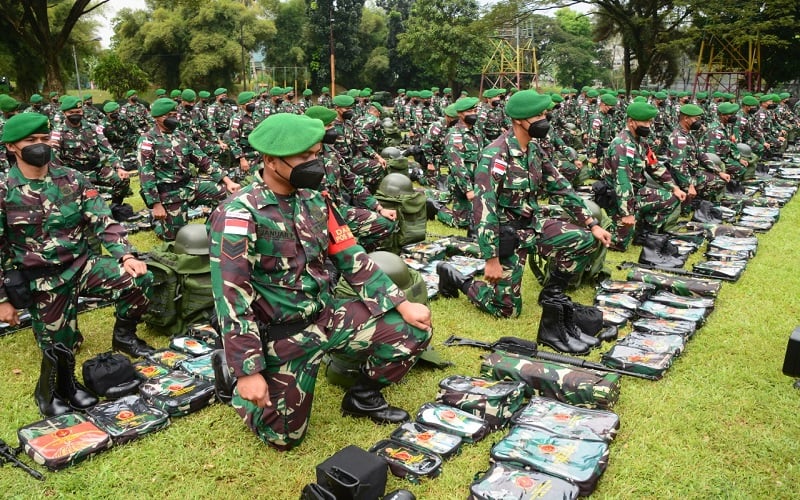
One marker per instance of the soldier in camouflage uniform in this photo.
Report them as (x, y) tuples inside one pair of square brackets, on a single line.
[(600, 131), (509, 180), (691, 169), (135, 112), (662, 123), (719, 140), (433, 144), (324, 98), (81, 145), (354, 145), (168, 186), (47, 214), (219, 114), (638, 205), (270, 106), (371, 125), (36, 105), (306, 101), (269, 245), (51, 108), (245, 157), (743, 129), (194, 124), (9, 107), (491, 117), (90, 112), (120, 134), (399, 109), (370, 223)]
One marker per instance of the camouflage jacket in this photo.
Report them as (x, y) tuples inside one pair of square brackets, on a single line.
[(352, 142), (686, 158), (92, 114), (343, 186), (137, 115), (264, 109), (492, 120), (719, 140), (194, 124), (165, 161), (242, 125), (433, 141), (83, 148), (372, 128), (268, 256), (120, 133), (463, 147), (508, 185), (601, 130), (325, 100), (48, 222), (624, 167), (763, 122), (219, 117)]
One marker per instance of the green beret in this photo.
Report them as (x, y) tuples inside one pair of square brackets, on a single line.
[(204, 94), (765, 98), (565, 91), (36, 98), (728, 95), (160, 92), (307, 92), (364, 93), (490, 93), (288, 89), (527, 103), (784, 95), (276, 91), (640, 98), (174, 93), (434, 89), (641, 111), (220, 91), (110, 107), (555, 97), (162, 106), (377, 106), (749, 100), (343, 101), (620, 91), (425, 94), (286, 134), (401, 91), (322, 113), (685, 93), (660, 95), (87, 97), (188, 95), (585, 88), (54, 93), (644, 93), (451, 111), (245, 97), (726, 108), (354, 93), (23, 125), (447, 90), (717, 94), (412, 93), (609, 100), (128, 94), (592, 93), (701, 95), (325, 89), (464, 93), (71, 102), (466, 103), (8, 103), (636, 92), (513, 90), (691, 110), (776, 98)]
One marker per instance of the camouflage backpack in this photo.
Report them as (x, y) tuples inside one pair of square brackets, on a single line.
[(397, 193)]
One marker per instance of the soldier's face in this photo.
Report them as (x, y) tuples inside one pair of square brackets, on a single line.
[(18, 146)]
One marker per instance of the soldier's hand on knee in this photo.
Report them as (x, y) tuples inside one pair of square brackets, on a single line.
[(725, 176), (601, 235), (416, 315), (8, 314), (628, 220), (493, 272), (679, 193), (134, 267), (159, 213), (123, 174), (389, 214), (254, 388)]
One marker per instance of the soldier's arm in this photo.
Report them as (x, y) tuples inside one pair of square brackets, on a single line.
[(490, 173), (107, 154), (95, 211), (560, 190), (231, 138), (147, 174)]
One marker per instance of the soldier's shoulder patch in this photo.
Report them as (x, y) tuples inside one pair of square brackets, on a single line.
[(91, 192), (681, 142), (98, 129), (630, 151), (596, 123), (236, 223), (499, 166), (236, 121), (55, 136)]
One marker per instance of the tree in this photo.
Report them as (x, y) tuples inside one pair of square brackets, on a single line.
[(346, 20), (118, 77), (578, 59), (44, 28)]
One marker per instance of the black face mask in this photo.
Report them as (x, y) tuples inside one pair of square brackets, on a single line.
[(426, 103), (539, 128), (471, 119), (37, 155), (730, 119), (642, 131), (696, 125), (250, 107), (548, 117), (306, 175), (661, 104), (592, 101), (772, 106), (75, 119), (611, 111), (278, 101), (347, 115), (290, 96), (188, 107), (557, 106), (330, 136), (114, 116), (170, 123), (751, 111), (134, 99), (495, 104)]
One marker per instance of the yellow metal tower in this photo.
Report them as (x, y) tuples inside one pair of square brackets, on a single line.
[(723, 66), (513, 61)]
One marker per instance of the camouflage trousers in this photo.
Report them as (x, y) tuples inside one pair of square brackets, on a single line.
[(654, 208), (107, 177), (370, 228), (370, 171), (460, 216), (574, 174), (709, 185), (54, 315), (388, 346), (736, 171), (177, 203), (569, 248)]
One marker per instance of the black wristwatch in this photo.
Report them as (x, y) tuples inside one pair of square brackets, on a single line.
[(593, 223)]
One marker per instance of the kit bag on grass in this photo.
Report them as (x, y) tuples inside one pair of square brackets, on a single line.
[(492, 400), (679, 285), (505, 481), (64, 440), (635, 359), (575, 460), (573, 385), (568, 420), (412, 218), (128, 418), (422, 436), (408, 462), (440, 416), (178, 393), (368, 472), (181, 292)]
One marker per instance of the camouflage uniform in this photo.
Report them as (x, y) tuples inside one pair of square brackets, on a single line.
[(325, 100), (493, 121), (718, 140), (602, 129), (463, 148), (86, 149), (691, 167), (508, 185), (45, 227), (165, 171), (242, 125), (122, 137), (432, 145), (137, 115), (92, 114), (219, 116), (354, 147), (193, 123), (268, 257), (623, 170), (372, 128)]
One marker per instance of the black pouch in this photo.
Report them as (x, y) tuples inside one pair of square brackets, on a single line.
[(371, 471), (509, 241), (604, 196), (18, 289), (110, 375)]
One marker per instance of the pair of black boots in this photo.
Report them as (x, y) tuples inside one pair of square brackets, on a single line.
[(124, 339), (58, 391)]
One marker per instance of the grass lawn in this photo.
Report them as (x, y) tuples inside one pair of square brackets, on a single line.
[(721, 424)]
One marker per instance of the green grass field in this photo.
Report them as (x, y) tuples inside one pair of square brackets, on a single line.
[(723, 423)]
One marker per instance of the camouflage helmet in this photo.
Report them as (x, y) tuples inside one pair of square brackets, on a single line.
[(716, 160), (192, 240), (392, 153), (387, 122), (570, 153), (393, 266), (570, 126), (744, 150), (396, 184)]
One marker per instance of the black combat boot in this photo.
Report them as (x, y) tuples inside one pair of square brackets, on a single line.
[(50, 404), (451, 280), (553, 332), (224, 382), (573, 330), (67, 386), (125, 339), (432, 208), (642, 232), (364, 399), (556, 285), (658, 251)]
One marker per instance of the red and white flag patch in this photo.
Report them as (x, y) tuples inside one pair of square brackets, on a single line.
[(236, 223), (499, 166)]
